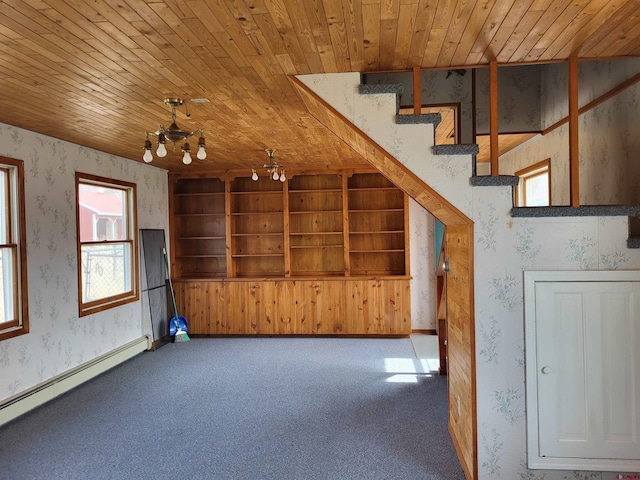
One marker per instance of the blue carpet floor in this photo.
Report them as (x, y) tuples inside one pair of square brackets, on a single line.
[(245, 408)]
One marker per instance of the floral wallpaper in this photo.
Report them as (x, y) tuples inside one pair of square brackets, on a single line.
[(608, 139), (504, 248), (519, 108), (436, 87), (59, 340)]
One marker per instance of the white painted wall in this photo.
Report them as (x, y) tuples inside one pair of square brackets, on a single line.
[(58, 339), (504, 248)]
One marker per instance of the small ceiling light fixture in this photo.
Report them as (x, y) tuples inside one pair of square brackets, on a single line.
[(174, 134), (275, 170)]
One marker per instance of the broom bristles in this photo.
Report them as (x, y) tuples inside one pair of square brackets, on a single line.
[(181, 336)]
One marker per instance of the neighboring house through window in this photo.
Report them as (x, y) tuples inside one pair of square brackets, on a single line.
[(107, 246), (14, 312), (534, 189)]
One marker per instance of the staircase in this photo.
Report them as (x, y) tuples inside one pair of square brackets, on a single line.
[(633, 212)]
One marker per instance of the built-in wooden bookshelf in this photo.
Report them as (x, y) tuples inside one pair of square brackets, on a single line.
[(317, 254), (199, 223), (377, 226), (316, 225), (257, 227), (309, 226)]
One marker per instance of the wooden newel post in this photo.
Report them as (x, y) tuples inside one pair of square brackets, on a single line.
[(574, 159), (493, 117), (417, 90)]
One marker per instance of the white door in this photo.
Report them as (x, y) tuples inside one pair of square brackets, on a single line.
[(588, 369)]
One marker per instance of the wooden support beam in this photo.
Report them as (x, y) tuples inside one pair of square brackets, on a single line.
[(574, 167), (417, 91), (493, 117)]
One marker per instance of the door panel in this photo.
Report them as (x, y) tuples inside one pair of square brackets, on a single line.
[(587, 346)]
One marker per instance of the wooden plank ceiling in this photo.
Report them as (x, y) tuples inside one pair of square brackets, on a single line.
[(96, 72)]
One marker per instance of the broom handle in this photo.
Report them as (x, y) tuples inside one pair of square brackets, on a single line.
[(173, 298)]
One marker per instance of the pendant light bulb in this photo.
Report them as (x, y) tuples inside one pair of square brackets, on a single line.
[(201, 153), (254, 175), (147, 157), (282, 177), (162, 150), (275, 175), (186, 159)]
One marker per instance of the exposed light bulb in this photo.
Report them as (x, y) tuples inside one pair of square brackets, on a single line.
[(275, 175), (254, 175), (282, 177), (162, 150), (147, 157), (201, 153), (186, 159)]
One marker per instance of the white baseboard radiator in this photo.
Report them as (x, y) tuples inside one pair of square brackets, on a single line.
[(38, 395)]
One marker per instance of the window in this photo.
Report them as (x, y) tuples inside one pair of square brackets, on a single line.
[(107, 246), (534, 189), (14, 312)]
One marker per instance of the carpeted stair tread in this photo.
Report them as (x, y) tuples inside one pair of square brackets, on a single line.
[(457, 149), (582, 211), (494, 181)]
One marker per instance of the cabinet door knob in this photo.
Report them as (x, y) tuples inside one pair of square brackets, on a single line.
[(546, 370)]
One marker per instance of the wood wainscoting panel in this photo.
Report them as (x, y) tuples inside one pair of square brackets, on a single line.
[(461, 345)]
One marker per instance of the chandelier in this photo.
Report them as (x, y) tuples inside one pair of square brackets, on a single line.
[(174, 134), (275, 170)]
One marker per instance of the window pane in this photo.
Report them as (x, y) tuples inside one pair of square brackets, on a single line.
[(101, 213), (106, 271), (537, 190), (7, 269)]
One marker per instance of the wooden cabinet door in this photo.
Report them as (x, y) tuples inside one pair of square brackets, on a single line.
[(330, 304), (394, 297), (363, 307), (242, 307), (202, 305), (258, 308), (304, 306)]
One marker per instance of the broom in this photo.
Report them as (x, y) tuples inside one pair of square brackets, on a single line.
[(178, 322)]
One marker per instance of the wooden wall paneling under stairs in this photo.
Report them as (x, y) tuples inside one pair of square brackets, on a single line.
[(461, 342)]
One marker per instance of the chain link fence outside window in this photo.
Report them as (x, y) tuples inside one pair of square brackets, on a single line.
[(105, 271)]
